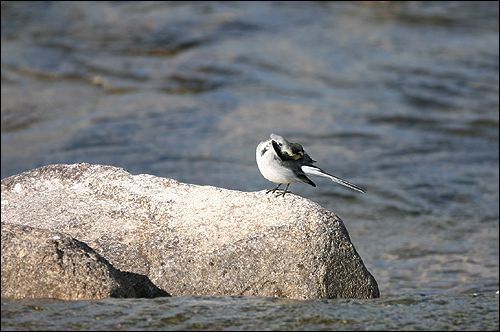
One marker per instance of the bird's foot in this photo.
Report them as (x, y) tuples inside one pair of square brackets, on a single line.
[(279, 191)]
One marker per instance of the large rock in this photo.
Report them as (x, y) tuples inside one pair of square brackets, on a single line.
[(38, 263), (190, 239)]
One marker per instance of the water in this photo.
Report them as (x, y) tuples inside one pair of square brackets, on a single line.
[(400, 98), (404, 312)]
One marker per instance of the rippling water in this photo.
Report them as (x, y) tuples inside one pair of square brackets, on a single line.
[(404, 312), (401, 98)]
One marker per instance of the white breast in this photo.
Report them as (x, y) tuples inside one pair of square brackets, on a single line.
[(270, 167)]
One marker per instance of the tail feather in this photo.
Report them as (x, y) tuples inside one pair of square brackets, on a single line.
[(315, 171)]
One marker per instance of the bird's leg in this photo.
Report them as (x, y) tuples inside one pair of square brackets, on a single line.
[(284, 192), (274, 190)]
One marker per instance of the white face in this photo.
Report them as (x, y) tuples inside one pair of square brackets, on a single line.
[(288, 150)]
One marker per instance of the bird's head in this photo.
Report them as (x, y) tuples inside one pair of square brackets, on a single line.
[(285, 149)]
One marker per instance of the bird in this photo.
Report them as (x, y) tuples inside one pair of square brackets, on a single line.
[(282, 162)]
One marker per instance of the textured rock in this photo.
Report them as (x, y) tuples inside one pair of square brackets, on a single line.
[(192, 239), (38, 263)]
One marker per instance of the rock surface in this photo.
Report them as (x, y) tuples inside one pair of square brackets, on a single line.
[(190, 239), (38, 263)]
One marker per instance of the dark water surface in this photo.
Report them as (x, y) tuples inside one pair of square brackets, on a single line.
[(403, 312), (401, 98)]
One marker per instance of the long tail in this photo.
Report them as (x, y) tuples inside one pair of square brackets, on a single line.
[(315, 171)]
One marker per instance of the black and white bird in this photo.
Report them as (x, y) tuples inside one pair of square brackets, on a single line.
[(283, 162)]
